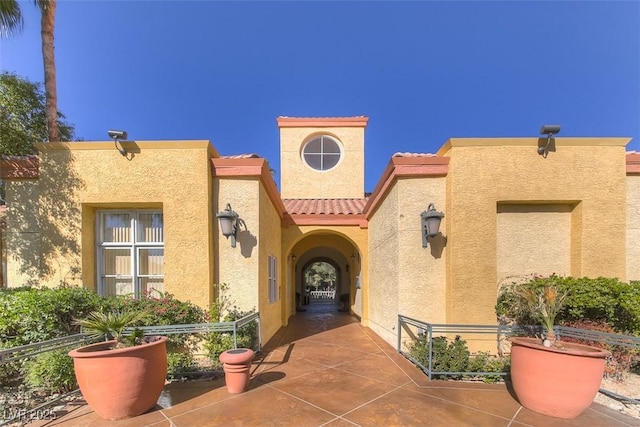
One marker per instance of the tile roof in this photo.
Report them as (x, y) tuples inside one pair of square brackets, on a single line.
[(399, 154), (322, 117), (324, 206), (241, 156)]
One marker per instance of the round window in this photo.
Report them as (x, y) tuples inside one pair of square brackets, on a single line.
[(322, 153)]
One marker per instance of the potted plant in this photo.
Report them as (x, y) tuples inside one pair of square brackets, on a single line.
[(123, 376), (548, 376)]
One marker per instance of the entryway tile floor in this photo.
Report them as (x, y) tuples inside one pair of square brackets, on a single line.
[(324, 369)]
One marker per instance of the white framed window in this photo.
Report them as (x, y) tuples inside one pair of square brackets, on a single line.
[(273, 279), (322, 153), (130, 252)]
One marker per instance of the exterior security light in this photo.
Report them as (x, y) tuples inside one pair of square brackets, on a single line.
[(548, 130), (430, 220), (229, 222), (117, 135)]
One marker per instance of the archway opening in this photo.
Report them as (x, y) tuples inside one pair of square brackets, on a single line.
[(320, 282)]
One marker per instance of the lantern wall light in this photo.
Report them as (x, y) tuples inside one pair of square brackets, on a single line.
[(230, 221), (430, 221), (548, 130), (118, 136)]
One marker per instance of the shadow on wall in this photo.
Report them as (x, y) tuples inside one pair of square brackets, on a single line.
[(247, 242), (437, 245), (48, 220)]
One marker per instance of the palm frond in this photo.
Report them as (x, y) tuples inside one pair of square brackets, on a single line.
[(11, 21), (110, 324)]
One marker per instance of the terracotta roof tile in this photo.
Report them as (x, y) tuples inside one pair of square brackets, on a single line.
[(241, 156), (413, 155), (322, 117), (324, 206)]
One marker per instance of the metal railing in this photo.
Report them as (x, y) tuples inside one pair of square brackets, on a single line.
[(432, 330), (499, 333), (9, 355), (22, 352), (608, 338), (203, 328)]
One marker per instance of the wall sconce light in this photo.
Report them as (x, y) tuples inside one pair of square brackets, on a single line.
[(548, 130), (229, 223), (117, 135), (293, 257), (430, 220)]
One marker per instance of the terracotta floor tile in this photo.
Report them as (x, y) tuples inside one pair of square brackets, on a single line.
[(595, 415), (498, 401), (277, 370), (403, 407), (178, 398), (85, 417), (265, 406), (325, 369), (335, 391), (376, 367), (339, 422)]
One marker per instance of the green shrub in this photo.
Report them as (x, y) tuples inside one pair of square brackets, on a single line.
[(599, 299), (485, 362), (217, 343), (622, 359), (178, 364), (446, 356), (454, 356), (29, 315), (222, 310), (52, 371), (162, 309)]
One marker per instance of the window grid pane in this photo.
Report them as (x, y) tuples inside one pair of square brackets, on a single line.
[(116, 228), (125, 267), (150, 227), (322, 153)]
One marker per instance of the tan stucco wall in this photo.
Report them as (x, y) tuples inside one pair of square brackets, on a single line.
[(269, 243), (297, 180), (533, 238), (23, 243), (77, 179), (633, 227), (239, 267), (245, 267), (404, 277), (584, 172)]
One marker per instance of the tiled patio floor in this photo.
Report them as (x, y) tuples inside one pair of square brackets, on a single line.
[(324, 369)]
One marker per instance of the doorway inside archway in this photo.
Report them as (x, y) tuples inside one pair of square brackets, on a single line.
[(320, 279)]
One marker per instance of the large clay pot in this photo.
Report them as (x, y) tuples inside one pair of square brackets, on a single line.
[(559, 382), (124, 382), (237, 368)]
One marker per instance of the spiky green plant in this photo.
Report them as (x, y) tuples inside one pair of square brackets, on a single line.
[(543, 305), (112, 324)]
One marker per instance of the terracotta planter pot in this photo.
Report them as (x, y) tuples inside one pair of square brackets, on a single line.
[(561, 383), (121, 383), (237, 368)]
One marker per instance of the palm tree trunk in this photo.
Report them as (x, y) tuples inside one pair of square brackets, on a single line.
[(48, 9)]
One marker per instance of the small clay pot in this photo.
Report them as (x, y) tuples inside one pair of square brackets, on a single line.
[(237, 368)]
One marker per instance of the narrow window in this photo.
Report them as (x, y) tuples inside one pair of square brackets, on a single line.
[(130, 252), (273, 279)]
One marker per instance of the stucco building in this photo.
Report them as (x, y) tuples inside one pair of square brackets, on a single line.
[(82, 213)]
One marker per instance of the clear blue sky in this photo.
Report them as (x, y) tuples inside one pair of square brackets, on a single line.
[(422, 71)]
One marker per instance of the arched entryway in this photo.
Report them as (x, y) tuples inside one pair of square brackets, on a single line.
[(325, 269)]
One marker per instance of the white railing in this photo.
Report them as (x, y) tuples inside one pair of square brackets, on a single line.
[(323, 294)]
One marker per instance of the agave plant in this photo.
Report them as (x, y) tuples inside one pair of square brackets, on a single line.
[(543, 304), (112, 324)]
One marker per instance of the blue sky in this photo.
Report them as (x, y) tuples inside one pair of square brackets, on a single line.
[(421, 71)]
